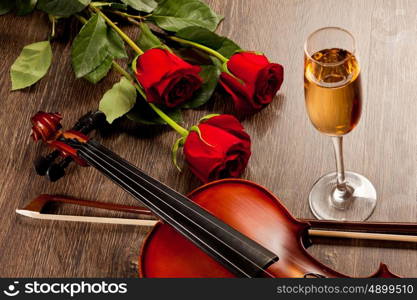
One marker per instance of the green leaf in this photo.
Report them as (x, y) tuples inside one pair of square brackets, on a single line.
[(210, 76), (101, 71), (119, 100), (142, 113), (62, 8), (147, 40), (228, 48), (25, 6), (90, 46), (31, 65), (173, 15), (205, 37), (6, 6), (202, 36), (116, 45), (142, 5), (115, 49)]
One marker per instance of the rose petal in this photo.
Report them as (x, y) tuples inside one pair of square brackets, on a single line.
[(268, 83), (159, 70), (224, 152), (247, 65), (230, 124), (242, 99)]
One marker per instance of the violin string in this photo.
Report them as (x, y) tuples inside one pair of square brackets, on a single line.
[(169, 217), (129, 167), (165, 216), (257, 266)]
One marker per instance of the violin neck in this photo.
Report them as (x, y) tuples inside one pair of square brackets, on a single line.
[(238, 253)]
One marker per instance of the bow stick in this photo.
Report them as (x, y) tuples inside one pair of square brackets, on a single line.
[(398, 232), (35, 207)]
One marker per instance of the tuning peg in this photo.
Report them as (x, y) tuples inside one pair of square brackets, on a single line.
[(57, 170), (90, 121), (43, 163), (46, 127)]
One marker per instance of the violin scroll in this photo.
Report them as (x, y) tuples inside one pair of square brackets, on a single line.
[(47, 128)]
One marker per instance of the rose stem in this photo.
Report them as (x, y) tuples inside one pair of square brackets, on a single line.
[(177, 39), (140, 24), (199, 46), (81, 19), (118, 30), (133, 21), (181, 130), (126, 15)]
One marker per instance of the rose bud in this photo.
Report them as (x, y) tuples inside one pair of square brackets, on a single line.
[(166, 78), (253, 81), (220, 148)]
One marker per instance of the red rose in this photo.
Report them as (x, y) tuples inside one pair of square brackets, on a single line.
[(254, 80), (222, 151), (166, 78)]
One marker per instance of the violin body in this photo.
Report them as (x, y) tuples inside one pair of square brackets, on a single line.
[(250, 209)]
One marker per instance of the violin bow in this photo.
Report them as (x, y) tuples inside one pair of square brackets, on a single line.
[(396, 231), (36, 206)]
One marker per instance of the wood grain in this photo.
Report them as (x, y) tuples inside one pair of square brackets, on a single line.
[(288, 154)]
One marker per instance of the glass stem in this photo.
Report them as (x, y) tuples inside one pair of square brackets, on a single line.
[(341, 189)]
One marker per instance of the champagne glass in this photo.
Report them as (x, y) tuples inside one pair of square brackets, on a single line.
[(333, 97)]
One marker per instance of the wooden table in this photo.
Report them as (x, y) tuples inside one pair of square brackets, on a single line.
[(288, 154)]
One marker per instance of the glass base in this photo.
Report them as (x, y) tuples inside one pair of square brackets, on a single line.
[(325, 203)]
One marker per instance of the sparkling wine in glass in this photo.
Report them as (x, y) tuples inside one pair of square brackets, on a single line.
[(333, 97)]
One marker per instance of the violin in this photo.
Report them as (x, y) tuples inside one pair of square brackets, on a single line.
[(226, 228)]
